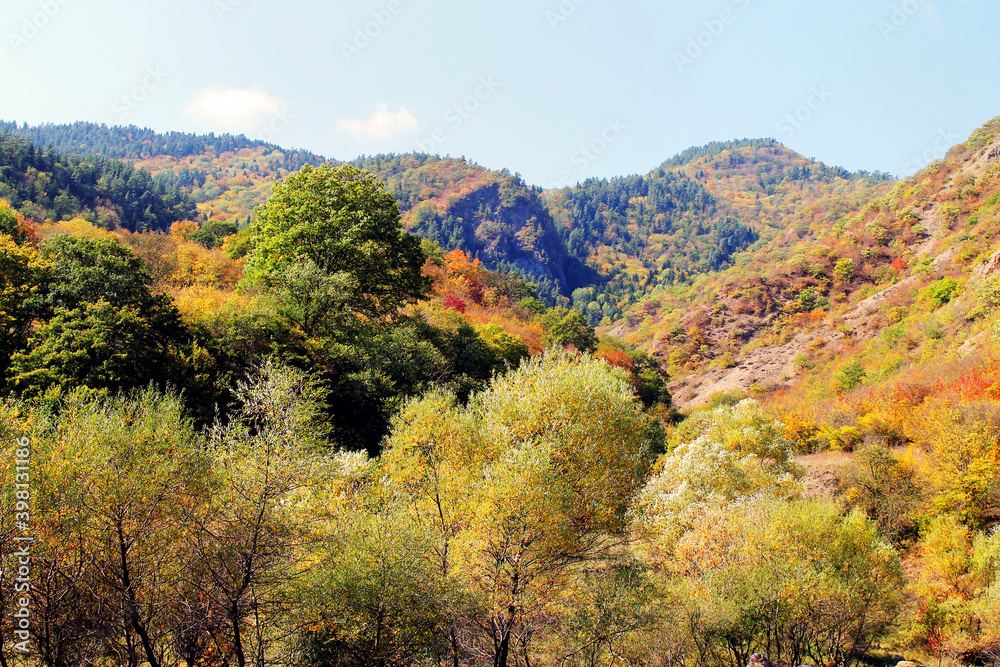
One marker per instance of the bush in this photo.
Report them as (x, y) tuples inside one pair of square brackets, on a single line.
[(844, 269), (940, 292), (850, 376), (795, 580), (885, 489), (724, 455)]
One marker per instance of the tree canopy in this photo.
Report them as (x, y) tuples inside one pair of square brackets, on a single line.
[(343, 221)]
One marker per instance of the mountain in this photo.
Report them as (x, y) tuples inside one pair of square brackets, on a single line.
[(138, 143), (492, 215), (692, 215), (46, 184), (895, 283), (226, 176), (604, 244)]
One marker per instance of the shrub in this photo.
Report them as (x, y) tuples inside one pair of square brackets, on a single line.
[(850, 376), (844, 269), (940, 292)]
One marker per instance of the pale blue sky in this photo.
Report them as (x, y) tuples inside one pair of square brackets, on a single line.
[(534, 81)]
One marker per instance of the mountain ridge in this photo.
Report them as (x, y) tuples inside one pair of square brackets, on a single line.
[(729, 261)]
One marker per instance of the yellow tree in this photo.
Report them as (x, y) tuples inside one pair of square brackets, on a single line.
[(247, 534), (21, 273), (431, 460), (964, 439), (534, 476), (792, 579), (110, 478)]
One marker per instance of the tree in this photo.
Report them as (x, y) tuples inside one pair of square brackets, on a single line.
[(608, 615), (533, 477), (432, 459), (955, 588), (21, 275), (844, 269), (96, 346), (885, 489), (109, 479), (850, 376), (794, 580), (344, 222), (101, 325), (374, 598), (509, 350), (312, 300), (568, 327), (88, 270), (264, 460), (13, 224), (964, 470), (725, 456)]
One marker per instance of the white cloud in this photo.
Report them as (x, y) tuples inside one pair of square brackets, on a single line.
[(383, 124), (232, 109)]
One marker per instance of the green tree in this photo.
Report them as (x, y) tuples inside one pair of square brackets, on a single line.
[(509, 350), (850, 376), (102, 327), (844, 269), (568, 327), (940, 292), (99, 347), (343, 221), (21, 276), (374, 598), (212, 234), (313, 301), (85, 271)]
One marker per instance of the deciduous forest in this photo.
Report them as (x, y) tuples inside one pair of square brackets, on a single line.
[(407, 411)]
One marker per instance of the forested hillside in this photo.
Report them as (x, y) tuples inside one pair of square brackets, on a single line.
[(309, 437), (690, 217), (493, 216), (227, 176), (136, 143), (841, 272), (606, 244), (45, 184)]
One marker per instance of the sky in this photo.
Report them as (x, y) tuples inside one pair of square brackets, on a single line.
[(556, 90)]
